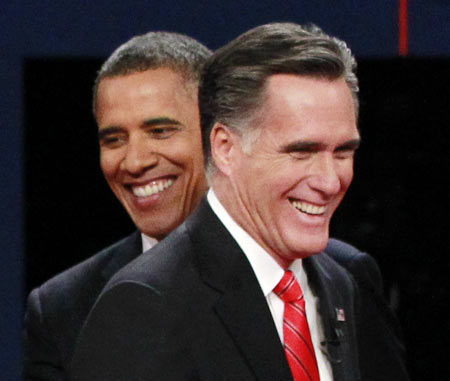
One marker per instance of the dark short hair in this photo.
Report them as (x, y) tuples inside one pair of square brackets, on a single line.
[(232, 84), (154, 50)]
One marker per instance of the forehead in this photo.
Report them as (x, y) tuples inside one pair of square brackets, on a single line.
[(307, 90), (307, 106), (145, 94), (160, 80)]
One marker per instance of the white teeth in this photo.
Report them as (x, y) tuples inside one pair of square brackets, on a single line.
[(154, 187), (309, 208)]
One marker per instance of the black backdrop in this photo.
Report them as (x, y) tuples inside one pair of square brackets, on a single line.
[(394, 209)]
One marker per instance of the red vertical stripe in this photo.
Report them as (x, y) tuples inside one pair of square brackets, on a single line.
[(403, 27)]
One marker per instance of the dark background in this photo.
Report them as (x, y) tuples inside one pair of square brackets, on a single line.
[(394, 209), (56, 208)]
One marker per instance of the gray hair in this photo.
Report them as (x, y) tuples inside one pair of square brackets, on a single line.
[(155, 50), (233, 81)]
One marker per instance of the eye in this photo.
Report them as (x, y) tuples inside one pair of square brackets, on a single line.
[(347, 150), (300, 150), (344, 154), (162, 132), (301, 154), (113, 140), (303, 151)]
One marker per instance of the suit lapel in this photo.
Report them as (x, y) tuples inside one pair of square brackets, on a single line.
[(241, 306), (331, 285), (123, 253), (243, 310)]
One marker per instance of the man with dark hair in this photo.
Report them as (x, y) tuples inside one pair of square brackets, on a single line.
[(145, 104), (250, 286)]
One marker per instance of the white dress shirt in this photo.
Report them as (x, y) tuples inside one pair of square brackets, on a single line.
[(269, 273), (147, 242)]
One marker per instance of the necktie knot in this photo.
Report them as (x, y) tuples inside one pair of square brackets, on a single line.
[(288, 289)]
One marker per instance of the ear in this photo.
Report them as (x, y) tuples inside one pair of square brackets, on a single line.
[(223, 147)]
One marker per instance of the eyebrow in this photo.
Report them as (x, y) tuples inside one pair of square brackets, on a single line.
[(350, 145), (310, 146), (161, 121)]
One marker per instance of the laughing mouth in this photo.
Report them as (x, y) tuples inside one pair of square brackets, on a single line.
[(309, 208), (152, 188)]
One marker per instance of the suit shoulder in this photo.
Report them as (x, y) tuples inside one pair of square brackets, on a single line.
[(57, 309), (341, 251), (379, 333), (161, 265), (361, 265), (66, 286)]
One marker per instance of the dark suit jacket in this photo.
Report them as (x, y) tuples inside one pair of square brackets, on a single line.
[(192, 309), (57, 309)]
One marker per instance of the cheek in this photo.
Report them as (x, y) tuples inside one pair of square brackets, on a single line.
[(283, 179), (346, 176), (109, 163), (269, 188), (196, 158), (194, 150), (179, 154)]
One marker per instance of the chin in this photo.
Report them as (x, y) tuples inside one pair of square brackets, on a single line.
[(312, 245), (159, 229), (158, 234)]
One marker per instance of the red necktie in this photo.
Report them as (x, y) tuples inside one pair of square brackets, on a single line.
[(297, 338)]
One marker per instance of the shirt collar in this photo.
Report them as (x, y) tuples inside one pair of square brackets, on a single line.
[(267, 270), (147, 242)]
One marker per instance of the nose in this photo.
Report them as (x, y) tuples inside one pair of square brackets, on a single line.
[(324, 176), (139, 157)]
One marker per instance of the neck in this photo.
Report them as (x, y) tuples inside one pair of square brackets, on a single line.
[(232, 203)]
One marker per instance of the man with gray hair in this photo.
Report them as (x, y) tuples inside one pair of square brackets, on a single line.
[(145, 105), (250, 287)]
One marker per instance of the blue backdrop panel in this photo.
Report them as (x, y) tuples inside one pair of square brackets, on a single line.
[(88, 28)]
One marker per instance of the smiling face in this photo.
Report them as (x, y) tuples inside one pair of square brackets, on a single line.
[(284, 190), (150, 147)]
